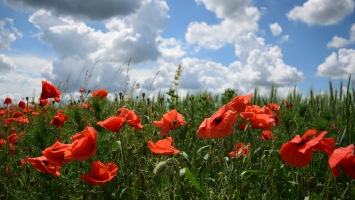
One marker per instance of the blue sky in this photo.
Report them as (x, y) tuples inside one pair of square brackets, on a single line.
[(240, 44)]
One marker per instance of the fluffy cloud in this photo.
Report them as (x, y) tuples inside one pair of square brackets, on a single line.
[(90, 9), (338, 64), (326, 12), (25, 79), (84, 52), (237, 18), (339, 42), (6, 64), (8, 33), (275, 29)]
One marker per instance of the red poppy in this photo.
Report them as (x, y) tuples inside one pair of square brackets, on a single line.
[(170, 121), (288, 105), (240, 149), (44, 102), (100, 93), (260, 118), (242, 126), (299, 151), (17, 114), (163, 147), (2, 142), (7, 101), (42, 165), (273, 106), (343, 158), (59, 119), (55, 153), (112, 123), (84, 145), (220, 124), (50, 91), (22, 104), (131, 118), (100, 173), (240, 102), (267, 135), (13, 138), (81, 90)]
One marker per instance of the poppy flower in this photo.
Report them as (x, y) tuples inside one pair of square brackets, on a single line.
[(44, 102), (112, 123), (288, 105), (163, 147), (343, 158), (240, 149), (100, 173), (13, 138), (59, 119), (84, 145), (239, 102), (131, 118), (100, 93), (82, 90), (50, 91), (22, 104), (220, 124), (267, 135), (299, 151), (55, 153), (7, 101), (170, 121), (42, 165)]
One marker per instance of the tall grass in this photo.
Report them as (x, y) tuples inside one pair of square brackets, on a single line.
[(202, 170)]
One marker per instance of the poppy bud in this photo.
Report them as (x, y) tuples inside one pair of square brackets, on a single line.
[(160, 167)]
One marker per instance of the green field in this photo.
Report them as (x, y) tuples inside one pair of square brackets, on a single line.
[(201, 170)]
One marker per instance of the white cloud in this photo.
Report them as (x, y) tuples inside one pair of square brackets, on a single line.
[(8, 33), (6, 64), (322, 12), (25, 79), (82, 50), (285, 38), (275, 29), (338, 64), (88, 9), (237, 18), (339, 42)]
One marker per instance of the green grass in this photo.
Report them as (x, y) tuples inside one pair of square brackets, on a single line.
[(202, 170)]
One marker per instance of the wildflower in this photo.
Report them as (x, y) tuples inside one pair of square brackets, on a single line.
[(55, 154), (288, 105), (170, 121), (112, 123), (242, 126), (239, 102), (343, 158), (44, 102), (22, 104), (100, 93), (220, 124), (299, 151), (100, 173), (50, 91), (59, 119), (131, 118), (267, 135), (163, 147), (42, 165), (240, 149), (7, 101), (84, 145), (82, 90)]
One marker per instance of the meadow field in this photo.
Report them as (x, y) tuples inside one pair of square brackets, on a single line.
[(200, 146)]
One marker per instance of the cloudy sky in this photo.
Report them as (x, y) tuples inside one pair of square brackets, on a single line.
[(240, 44)]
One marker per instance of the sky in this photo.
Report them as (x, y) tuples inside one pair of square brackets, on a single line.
[(137, 45)]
